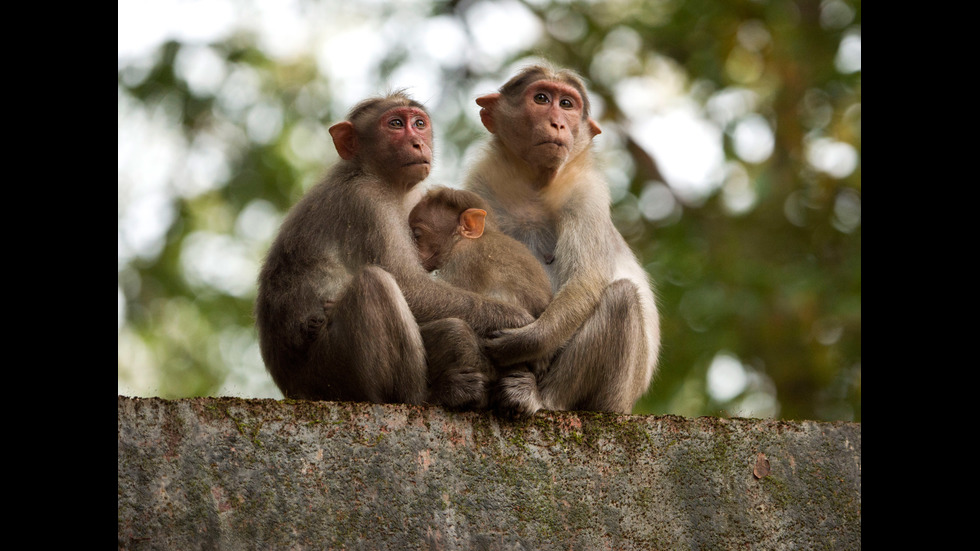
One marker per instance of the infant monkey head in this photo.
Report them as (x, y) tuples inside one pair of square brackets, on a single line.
[(444, 219), (455, 233)]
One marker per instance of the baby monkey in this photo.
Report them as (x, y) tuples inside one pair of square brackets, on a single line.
[(459, 242)]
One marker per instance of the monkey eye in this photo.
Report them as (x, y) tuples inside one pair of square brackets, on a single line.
[(416, 233), (420, 123), (566, 103), (396, 123), (540, 97)]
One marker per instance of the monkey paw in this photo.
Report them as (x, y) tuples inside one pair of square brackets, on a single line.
[(311, 326), (460, 389), (509, 347), (516, 395)]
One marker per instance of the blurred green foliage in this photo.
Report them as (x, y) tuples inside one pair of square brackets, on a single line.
[(775, 284)]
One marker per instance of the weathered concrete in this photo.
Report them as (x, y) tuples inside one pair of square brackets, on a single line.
[(228, 473)]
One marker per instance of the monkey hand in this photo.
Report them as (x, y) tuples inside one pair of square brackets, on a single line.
[(505, 316), (510, 346), (541, 366), (311, 327), (328, 306)]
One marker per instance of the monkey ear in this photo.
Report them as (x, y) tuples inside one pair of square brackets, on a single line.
[(594, 127), (489, 105), (344, 139), (471, 223)]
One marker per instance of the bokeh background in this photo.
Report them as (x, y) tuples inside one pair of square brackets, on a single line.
[(731, 143)]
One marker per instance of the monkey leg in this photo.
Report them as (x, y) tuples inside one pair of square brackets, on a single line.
[(458, 371), (372, 349), (601, 366)]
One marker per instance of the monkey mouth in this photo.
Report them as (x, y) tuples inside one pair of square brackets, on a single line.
[(558, 143), (419, 162)]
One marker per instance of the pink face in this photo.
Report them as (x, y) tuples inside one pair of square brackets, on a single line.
[(409, 132), (545, 125), (396, 146), (555, 111)]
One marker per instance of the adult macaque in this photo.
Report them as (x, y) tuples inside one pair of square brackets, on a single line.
[(458, 241), (344, 309), (601, 332)]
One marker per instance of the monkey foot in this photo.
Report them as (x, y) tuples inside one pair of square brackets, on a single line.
[(516, 395), (460, 390)]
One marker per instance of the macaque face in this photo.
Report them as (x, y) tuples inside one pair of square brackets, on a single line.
[(395, 145), (405, 144), (548, 125), (399, 145)]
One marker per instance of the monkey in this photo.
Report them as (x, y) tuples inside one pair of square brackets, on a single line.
[(344, 311), (458, 240), (600, 334)]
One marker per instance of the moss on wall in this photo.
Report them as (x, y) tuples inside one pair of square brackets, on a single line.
[(228, 473)]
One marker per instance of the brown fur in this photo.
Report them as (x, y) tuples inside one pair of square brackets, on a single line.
[(601, 331), (343, 307), (492, 264)]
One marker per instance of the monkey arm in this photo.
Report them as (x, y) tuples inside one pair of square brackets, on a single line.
[(584, 265), (431, 300), (572, 305)]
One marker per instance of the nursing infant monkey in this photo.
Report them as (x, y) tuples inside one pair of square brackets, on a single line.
[(345, 311), (458, 240)]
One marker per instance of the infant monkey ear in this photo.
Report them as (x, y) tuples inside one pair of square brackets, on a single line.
[(471, 223)]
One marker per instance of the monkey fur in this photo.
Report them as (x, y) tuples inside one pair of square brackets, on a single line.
[(344, 309), (459, 242), (601, 331)]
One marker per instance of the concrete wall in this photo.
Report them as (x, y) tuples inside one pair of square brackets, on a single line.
[(228, 473)]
